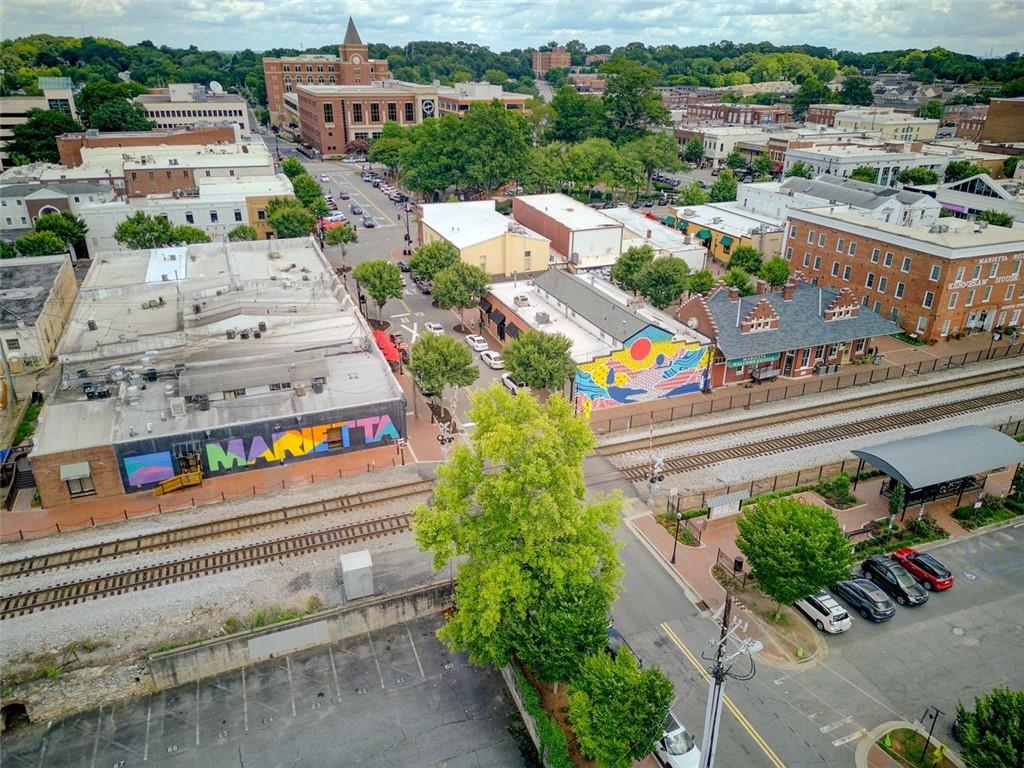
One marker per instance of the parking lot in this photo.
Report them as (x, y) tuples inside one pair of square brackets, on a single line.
[(394, 697)]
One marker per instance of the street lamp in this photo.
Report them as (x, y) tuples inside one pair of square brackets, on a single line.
[(675, 541), (934, 712)]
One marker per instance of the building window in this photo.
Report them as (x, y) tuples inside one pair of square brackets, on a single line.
[(992, 271), (883, 283), (1009, 292), (987, 294), (894, 313), (900, 288), (935, 272), (357, 113), (888, 259), (875, 253), (190, 218), (393, 112), (952, 300), (213, 217), (238, 215), (970, 298), (410, 115), (960, 274), (817, 264), (977, 271), (1016, 267), (847, 270), (374, 112), (527, 259), (922, 324), (805, 358), (853, 248), (792, 231), (82, 486), (261, 214), (870, 281), (945, 328), (810, 236), (877, 308), (840, 244), (929, 298), (835, 269), (13, 344), (807, 259), (905, 267), (328, 113), (789, 254), (821, 240)]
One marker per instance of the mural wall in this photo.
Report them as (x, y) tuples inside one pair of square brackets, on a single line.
[(650, 366), (254, 446)]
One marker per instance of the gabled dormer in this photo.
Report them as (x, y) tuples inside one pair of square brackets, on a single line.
[(843, 306), (762, 317)]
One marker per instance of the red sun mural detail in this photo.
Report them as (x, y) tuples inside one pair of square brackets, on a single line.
[(640, 349)]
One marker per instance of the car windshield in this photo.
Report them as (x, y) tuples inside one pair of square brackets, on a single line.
[(903, 578), (678, 743)]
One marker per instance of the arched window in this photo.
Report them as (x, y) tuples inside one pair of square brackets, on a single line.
[(309, 80), (332, 80), (288, 79), (320, 80)]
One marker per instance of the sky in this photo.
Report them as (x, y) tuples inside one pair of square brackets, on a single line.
[(980, 27)]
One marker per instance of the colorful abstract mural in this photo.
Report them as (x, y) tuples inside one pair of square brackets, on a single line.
[(149, 468), (650, 366)]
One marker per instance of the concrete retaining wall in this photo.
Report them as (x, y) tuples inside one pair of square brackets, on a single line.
[(212, 657)]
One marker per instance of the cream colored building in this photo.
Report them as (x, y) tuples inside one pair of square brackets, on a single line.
[(890, 125), (37, 293), (58, 94), (485, 238)]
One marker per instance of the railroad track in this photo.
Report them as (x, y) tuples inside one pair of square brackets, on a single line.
[(214, 528), (921, 390), (830, 434), (73, 592)]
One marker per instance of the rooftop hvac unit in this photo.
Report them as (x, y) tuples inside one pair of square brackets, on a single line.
[(230, 333), (204, 404), (542, 318), (177, 405), (196, 309), (262, 326), (244, 334), (318, 387), (522, 301), (257, 335), (300, 391), (91, 324)]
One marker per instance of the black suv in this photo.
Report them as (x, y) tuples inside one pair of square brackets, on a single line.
[(617, 641), (866, 599), (894, 579)]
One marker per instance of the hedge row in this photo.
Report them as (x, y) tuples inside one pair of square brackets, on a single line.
[(553, 746)]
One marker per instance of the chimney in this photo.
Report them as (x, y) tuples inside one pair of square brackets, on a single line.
[(787, 290), (734, 294)]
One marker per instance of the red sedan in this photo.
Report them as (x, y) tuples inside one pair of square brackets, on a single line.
[(925, 568)]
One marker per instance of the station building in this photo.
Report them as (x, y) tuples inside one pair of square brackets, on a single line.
[(218, 359)]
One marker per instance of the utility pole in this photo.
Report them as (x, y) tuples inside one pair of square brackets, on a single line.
[(721, 668)]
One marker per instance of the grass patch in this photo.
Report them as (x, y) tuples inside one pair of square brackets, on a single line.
[(27, 425), (837, 492), (906, 746), (686, 537), (992, 510)]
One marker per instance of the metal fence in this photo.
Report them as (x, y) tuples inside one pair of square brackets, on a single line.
[(685, 502), (744, 396), (742, 576)]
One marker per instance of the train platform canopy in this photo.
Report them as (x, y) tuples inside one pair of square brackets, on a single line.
[(920, 462)]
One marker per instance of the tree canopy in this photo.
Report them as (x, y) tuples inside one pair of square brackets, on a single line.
[(431, 258), (35, 140), (992, 734), (700, 281), (800, 169), (962, 169), (510, 505), (459, 286), (243, 232), (437, 362), (739, 279), (775, 272), (140, 231), (918, 176), (288, 218), (724, 188), (120, 115), (663, 281), (864, 173), (998, 218), (39, 244), (856, 90), (747, 258), (381, 279), (628, 267), (540, 360), (68, 227)]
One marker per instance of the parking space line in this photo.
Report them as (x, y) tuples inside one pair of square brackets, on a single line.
[(380, 675), (414, 652), (740, 717), (197, 713), (849, 737), (245, 703), (42, 752), (96, 741), (149, 717), (334, 671), (836, 724), (291, 689)]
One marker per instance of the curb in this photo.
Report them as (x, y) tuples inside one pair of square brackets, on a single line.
[(864, 744), (689, 592), (1013, 521)]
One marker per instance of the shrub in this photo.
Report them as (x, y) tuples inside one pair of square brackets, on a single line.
[(553, 745), (837, 491)]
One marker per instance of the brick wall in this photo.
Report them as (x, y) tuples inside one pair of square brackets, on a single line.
[(106, 477), (70, 145), (1005, 121)]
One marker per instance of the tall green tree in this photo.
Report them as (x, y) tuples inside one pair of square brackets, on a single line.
[(540, 360), (653, 152), (794, 548), (387, 148), (630, 265), (724, 188), (243, 232), (1010, 166), (857, 90), (140, 231), (494, 142), (992, 734), (292, 168), (35, 140), (381, 279), (865, 173), (812, 91), (998, 218), (341, 236), (962, 169), (700, 281), (69, 228), (510, 505), (288, 218), (775, 272), (897, 500), (306, 189), (431, 258), (693, 194), (121, 115), (918, 176), (617, 709), (739, 279), (931, 109), (187, 235), (763, 166), (631, 103), (97, 94), (577, 116), (39, 244), (693, 152), (735, 161), (437, 362), (747, 258), (460, 286), (663, 281), (800, 169)]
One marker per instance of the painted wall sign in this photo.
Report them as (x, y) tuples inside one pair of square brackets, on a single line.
[(739, 362)]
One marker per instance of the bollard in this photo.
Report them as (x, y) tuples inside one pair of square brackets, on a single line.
[(159, 509), (57, 525), (92, 520)]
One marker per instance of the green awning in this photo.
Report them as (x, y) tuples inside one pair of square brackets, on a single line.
[(669, 221), (704, 234), (726, 241)]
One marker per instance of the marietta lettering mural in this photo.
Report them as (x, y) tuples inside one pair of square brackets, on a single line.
[(650, 366), (249, 452)]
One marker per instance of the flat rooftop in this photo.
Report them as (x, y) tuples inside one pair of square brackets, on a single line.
[(726, 217), (572, 213), (653, 231), (250, 152), (378, 86), (25, 284), (211, 98), (469, 223), (884, 116), (852, 151), (192, 314)]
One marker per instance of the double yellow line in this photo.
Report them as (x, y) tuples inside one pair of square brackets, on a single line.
[(740, 717)]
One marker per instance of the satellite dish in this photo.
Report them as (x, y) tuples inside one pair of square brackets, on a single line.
[(216, 87)]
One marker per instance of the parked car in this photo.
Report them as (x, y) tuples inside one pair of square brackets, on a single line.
[(477, 343), (715, 171), (824, 612), (375, 182), (635, 204), (366, 176), (894, 579), (866, 599), (511, 384), (932, 574), (676, 748), (344, 195), (423, 285), (369, 222), (435, 328), (399, 197), (492, 359), (325, 178), (617, 642), (648, 203), (356, 210), (403, 266)]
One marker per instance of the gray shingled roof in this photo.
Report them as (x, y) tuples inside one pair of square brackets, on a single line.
[(64, 187), (918, 462), (801, 324), (351, 35), (848, 191), (591, 304)]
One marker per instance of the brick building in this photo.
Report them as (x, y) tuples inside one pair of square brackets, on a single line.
[(70, 145), (556, 58), (953, 277), (791, 333), (825, 114), (352, 66), (1005, 120), (969, 123), (740, 114)]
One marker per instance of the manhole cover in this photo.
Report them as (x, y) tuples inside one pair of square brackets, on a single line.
[(959, 631)]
